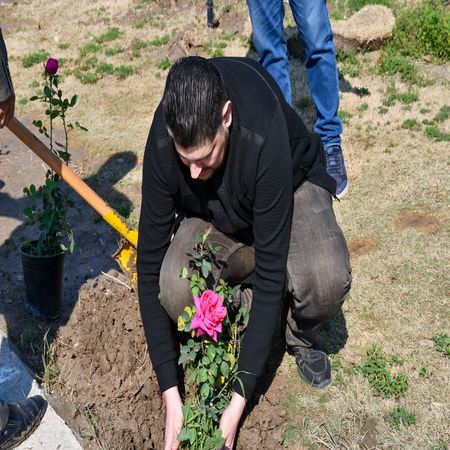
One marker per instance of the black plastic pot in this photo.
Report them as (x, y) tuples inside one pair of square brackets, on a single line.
[(43, 276)]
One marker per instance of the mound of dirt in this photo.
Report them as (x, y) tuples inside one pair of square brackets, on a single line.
[(106, 375), (102, 356), (367, 29)]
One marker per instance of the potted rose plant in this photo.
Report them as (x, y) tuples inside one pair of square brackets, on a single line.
[(43, 258)]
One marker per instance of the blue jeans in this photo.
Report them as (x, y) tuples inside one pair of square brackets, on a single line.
[(313, 24)]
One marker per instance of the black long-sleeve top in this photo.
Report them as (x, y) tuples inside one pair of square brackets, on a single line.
[(6, 86), (270, 153)]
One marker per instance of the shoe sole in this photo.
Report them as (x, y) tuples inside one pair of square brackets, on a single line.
[(26, 435), (345, 190), (320, 385)]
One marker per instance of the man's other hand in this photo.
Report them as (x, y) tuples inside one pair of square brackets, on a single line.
[(174, 418), (230, 420), (7, 110)]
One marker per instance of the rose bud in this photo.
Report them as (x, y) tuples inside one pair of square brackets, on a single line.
[(51, 66)]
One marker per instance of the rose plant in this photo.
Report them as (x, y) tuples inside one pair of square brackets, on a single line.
[(51, 201), (210, 344)]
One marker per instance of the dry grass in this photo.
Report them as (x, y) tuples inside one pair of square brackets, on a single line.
[(395, 215)]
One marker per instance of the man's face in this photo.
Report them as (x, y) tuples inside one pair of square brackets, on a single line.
[(204, 160)]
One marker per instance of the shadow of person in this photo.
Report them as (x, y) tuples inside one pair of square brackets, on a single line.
[(95, 242)]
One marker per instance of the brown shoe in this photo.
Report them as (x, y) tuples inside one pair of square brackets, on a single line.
[(24, 417)]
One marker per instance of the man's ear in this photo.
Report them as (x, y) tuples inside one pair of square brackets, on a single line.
[(227, 115)]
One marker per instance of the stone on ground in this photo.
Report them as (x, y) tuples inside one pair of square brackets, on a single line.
[(367, 29)]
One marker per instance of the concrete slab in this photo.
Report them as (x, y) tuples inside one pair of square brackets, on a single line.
[(17, 383)]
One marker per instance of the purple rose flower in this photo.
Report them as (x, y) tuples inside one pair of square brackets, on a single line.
[(51, 66)]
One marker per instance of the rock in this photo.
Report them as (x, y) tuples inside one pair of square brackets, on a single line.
[(365, 30)]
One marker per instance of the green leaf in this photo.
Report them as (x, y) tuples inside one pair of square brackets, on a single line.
[(184, 435), (192, 435), (213, 369), (204, 391), (184, 273), (47, 92), (206, 361), (206, 268), (73, 100), (211, 352), (224, 369), (219, 441), (202, 375)]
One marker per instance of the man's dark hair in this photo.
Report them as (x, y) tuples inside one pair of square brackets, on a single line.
[(193, 100)]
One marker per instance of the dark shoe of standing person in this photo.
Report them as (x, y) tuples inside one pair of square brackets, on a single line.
[(313, 366), (24, 418), (336, 169)]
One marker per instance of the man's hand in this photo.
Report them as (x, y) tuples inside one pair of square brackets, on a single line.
[(7, 110), (230, 420), (174, 418)]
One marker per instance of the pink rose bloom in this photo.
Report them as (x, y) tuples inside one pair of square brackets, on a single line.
[(51, 66), (210, 314)]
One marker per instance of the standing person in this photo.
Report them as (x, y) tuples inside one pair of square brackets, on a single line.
[(226, 150), (7, 97), (313, 24), (17, 420)]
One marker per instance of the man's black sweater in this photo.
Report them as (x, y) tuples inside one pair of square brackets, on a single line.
[(270, 153)]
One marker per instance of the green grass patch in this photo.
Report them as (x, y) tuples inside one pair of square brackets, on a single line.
[(139, 25), (423, 30), (356, 5), (401, 416), (88, 78), (411, 124), (64, 46), (111, 51), (442, 343), (227, 36), (35, 58), (379, 377), (139, 44), (363, 107), (349, 63), (361, 91), (436, 134), (345, 116), (214, 49), (89, 48), (442, 115), (123, 72), (393, 95), (383, 110), (111, 35), (105, 68), (164, 63), (161, 40), (392, 63)]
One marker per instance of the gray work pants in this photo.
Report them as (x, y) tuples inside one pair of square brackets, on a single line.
[(318, 266), (4, 415)]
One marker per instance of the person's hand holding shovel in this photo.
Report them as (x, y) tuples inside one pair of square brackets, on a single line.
[(7, 110)]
